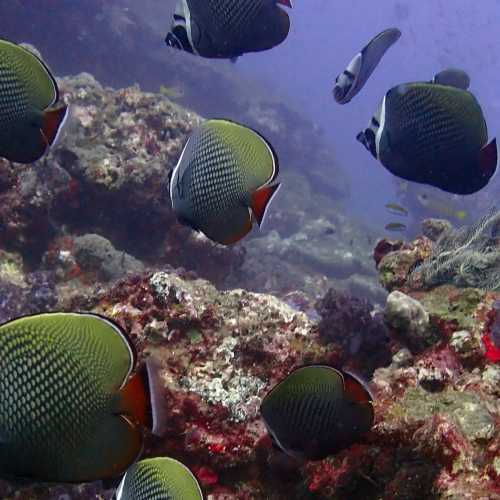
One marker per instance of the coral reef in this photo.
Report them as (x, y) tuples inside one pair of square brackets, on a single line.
[(108, 176), (356, 329), (436, 433), (467, 257), (430, 356)]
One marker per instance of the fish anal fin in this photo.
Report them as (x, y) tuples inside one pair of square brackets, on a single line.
[(240, 234), (355, 389), (134, 399), (261, 200), (53, 121), (488, 158)]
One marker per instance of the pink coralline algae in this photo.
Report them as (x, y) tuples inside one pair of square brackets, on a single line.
[(491, 336)]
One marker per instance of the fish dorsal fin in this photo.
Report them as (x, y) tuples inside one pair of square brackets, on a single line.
[(165, 475), (305, 377), (122, 356), (265, 158), (46, 92), (91, 336), (453, 77)]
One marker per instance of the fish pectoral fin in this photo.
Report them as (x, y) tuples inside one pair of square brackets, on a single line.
[(261, 200), (488, 157)]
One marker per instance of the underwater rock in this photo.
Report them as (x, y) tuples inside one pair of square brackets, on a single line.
[(434, 228), (395, 266), (319, 254), (119, 152), (95, 253), (384, 247), (37, 293), (409, 320), (356, 327), (305, 249), (11, 301), (25, 225), (41, 294), (11, 268)]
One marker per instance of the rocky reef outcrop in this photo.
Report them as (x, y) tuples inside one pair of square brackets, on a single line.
[(89, 228), (436, 433)]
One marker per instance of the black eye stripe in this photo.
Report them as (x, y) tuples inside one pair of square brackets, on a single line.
[(177, 17), (348, 73), (375, 122)]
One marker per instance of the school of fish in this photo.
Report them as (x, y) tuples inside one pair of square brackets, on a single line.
[(74, 405)]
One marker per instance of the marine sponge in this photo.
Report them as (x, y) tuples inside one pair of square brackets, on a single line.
[(467, 257)]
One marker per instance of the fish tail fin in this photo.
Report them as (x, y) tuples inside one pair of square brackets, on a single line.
[(53, 122), (141, 398), (261, 200), (156, 397), (488, 158)]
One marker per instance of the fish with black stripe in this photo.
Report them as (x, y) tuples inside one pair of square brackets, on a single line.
[(358, 71)]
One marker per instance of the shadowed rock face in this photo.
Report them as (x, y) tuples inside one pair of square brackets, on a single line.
[(100, 41), (221, 352)]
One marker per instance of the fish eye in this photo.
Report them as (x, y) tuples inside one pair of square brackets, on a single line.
[(172, 41), (370, 142), (184, 221)]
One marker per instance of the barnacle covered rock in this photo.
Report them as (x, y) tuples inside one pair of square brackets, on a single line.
[(407, 317)]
